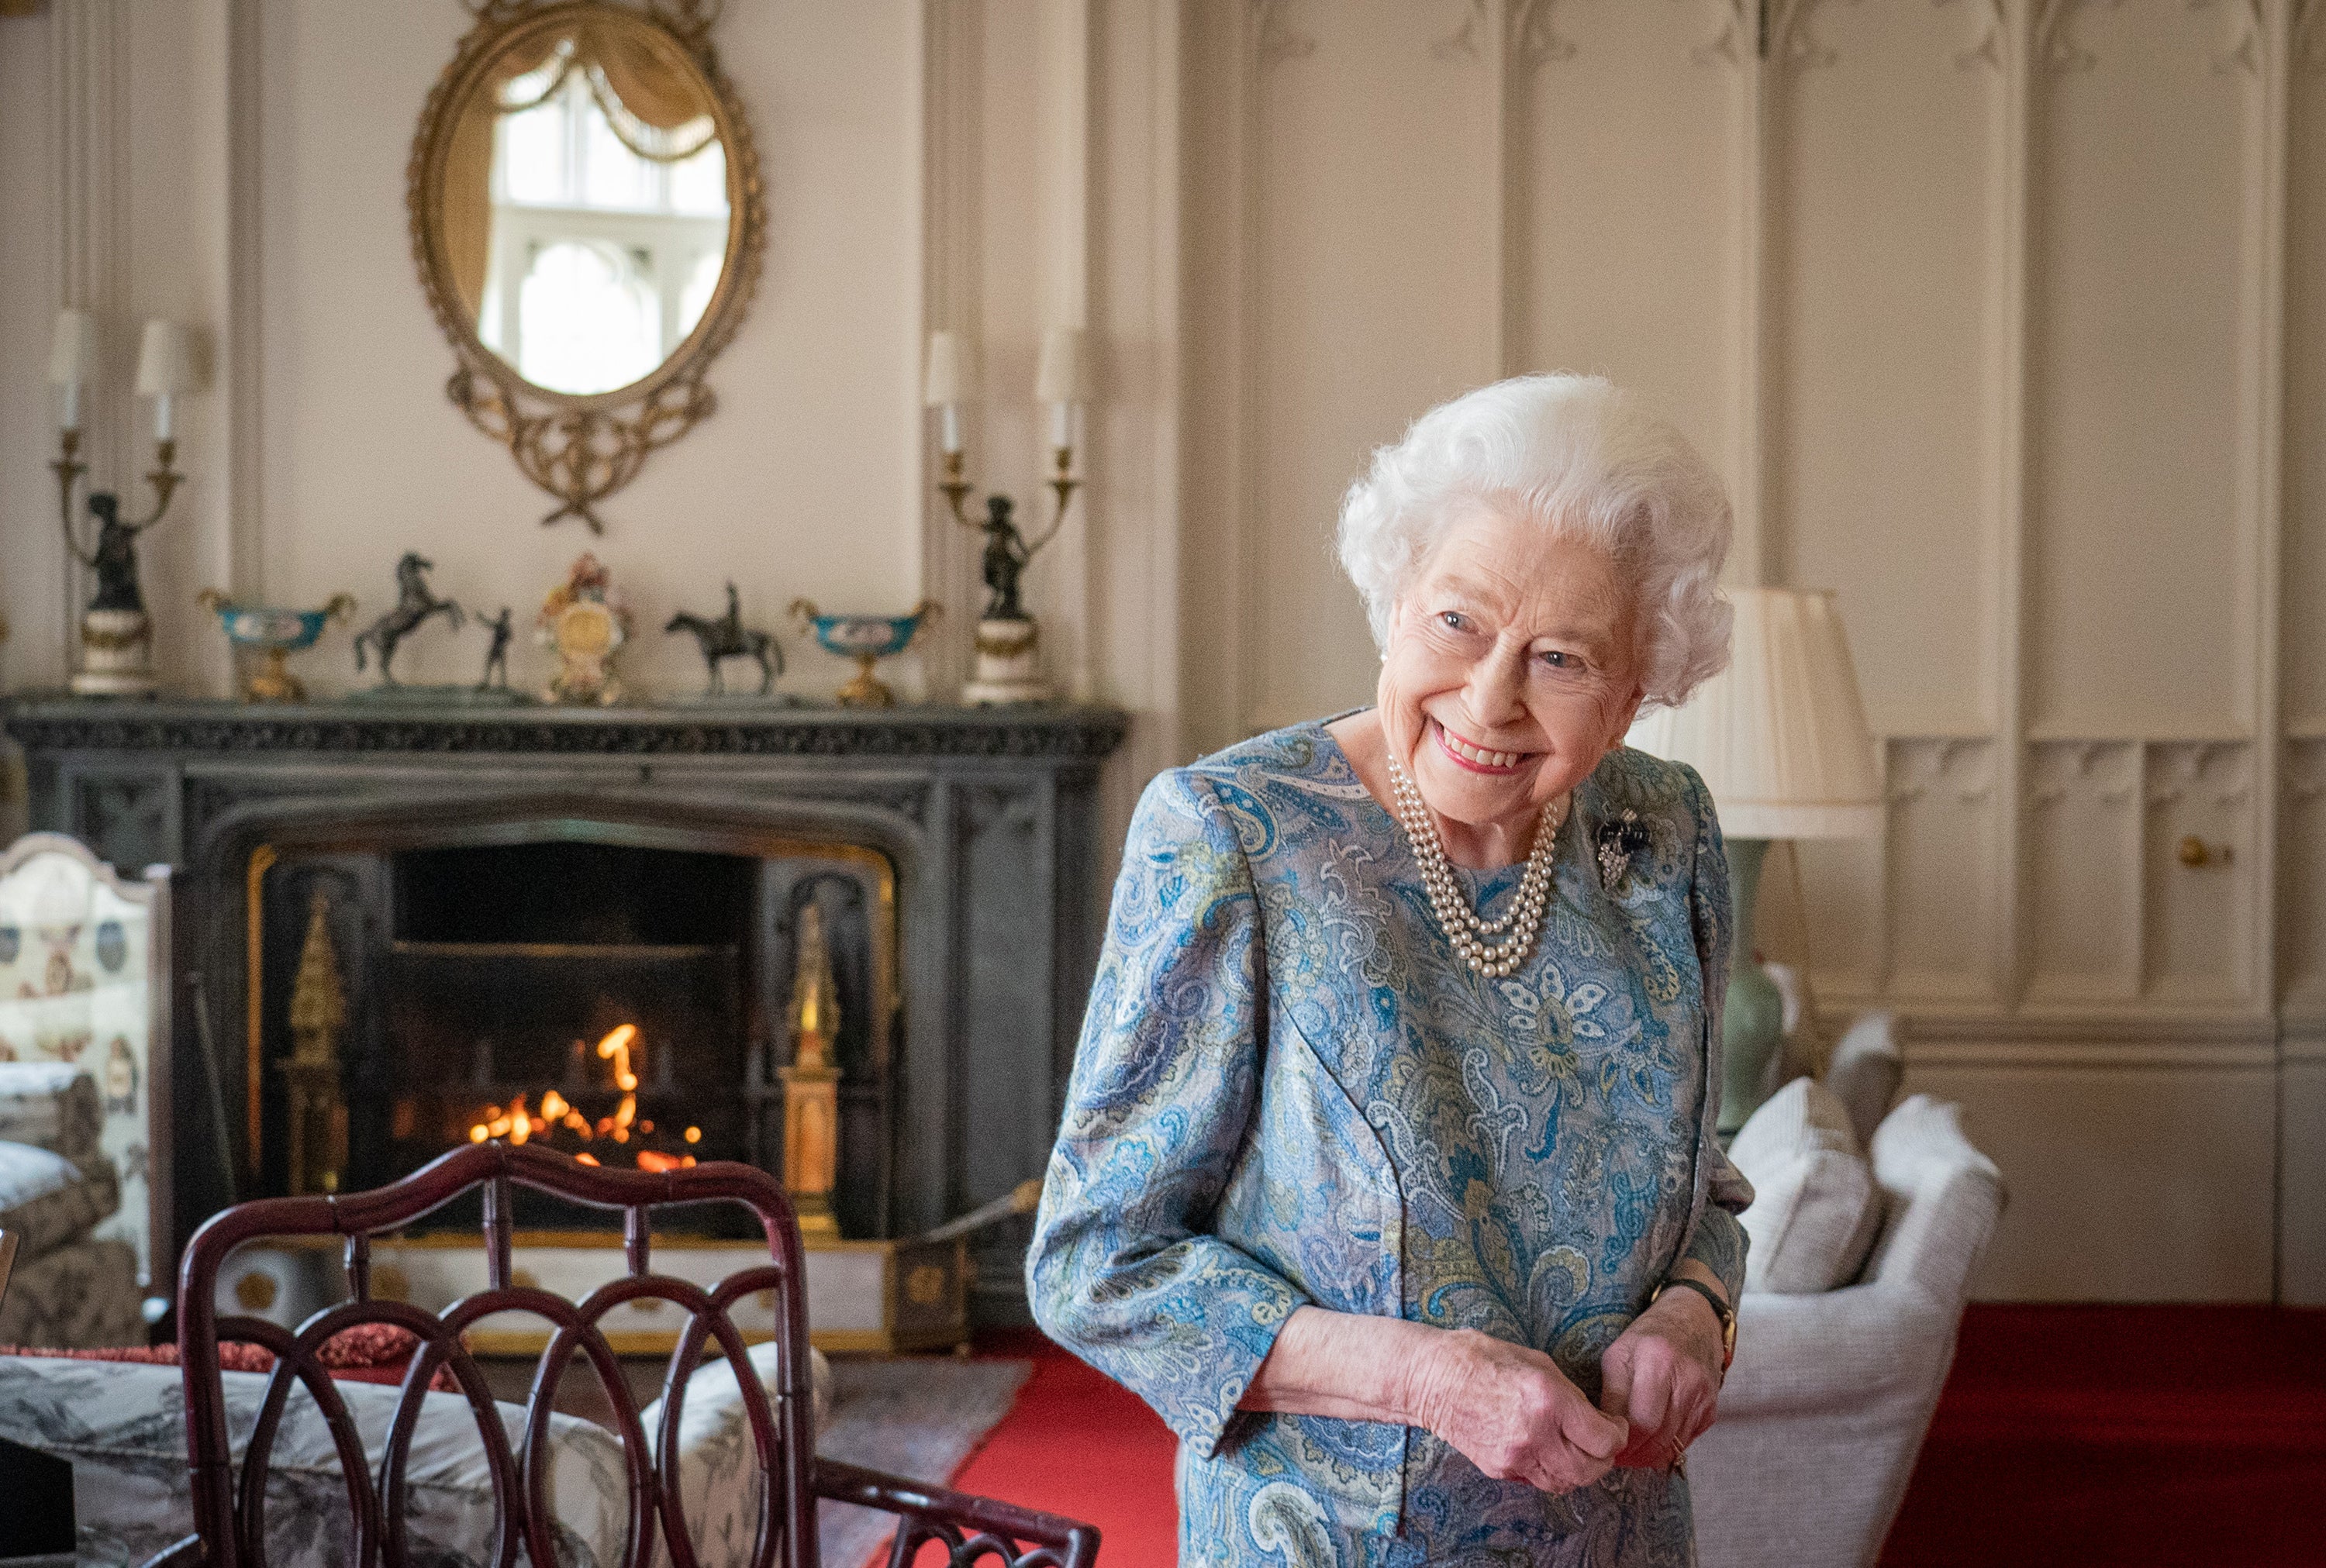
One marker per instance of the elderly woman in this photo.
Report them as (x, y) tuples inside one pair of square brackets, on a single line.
[(1388, 1174)]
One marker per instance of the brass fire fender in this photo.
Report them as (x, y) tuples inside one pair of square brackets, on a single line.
[(886, 998)]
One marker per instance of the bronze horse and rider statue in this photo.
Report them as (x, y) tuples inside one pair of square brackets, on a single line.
[(728, 638)]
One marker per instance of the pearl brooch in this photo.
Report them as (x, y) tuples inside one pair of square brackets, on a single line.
[(1471, 936)]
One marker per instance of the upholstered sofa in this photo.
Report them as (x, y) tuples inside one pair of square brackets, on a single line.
[(1824, 1412), (69, 1289)]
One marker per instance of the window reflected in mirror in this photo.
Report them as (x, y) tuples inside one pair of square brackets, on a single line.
[(608, 213)]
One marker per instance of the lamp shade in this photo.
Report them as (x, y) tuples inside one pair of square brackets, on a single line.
[(1780, 735), (166, 360), (951, 373), (72, 352), (1064, 374)]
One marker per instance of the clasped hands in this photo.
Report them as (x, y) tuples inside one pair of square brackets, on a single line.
[(1506, 1408)]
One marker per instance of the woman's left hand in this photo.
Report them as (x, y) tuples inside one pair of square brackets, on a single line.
[(1663, 1375)]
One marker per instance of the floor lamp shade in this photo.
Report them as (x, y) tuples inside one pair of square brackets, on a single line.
[(1780, 735)]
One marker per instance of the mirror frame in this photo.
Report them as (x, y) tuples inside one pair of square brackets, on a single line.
[(582, 447)]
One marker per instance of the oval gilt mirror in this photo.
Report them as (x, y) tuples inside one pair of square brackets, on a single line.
[(587, 216)]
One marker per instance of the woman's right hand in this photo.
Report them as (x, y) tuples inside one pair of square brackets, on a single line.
[(1513, 1413)]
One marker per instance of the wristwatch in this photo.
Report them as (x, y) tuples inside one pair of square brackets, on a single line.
[(1720, 1309)]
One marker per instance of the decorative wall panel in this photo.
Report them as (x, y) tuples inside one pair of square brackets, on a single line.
[(1878, 243), (2126, 1182), (1618, 211), (2301, 879), (2081, 842), (1940, 916), (2198, 932), (2305, 376), (1357, 129), (2142, 532)]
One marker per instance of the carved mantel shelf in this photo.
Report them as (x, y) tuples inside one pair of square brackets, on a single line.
[(60, 724)]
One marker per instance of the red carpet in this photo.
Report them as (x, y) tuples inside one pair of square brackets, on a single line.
[(1077, 1444), (2067, 1435), (2125, 1435)]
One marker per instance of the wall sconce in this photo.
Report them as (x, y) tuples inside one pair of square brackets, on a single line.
[(111, 654), (1009, 656)]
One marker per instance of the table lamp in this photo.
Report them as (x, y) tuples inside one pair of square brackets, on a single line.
[(1780, 739)]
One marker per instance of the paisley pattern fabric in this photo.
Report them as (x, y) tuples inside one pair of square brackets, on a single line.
[(1289, 1091)]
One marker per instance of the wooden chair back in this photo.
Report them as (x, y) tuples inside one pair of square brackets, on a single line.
[(229, 1514), (229, 1511)]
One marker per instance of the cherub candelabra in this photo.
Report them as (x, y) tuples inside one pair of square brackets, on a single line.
[(1008, 666), (111, 654)]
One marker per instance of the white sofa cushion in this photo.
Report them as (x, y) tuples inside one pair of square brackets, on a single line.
[(1815, 1208)]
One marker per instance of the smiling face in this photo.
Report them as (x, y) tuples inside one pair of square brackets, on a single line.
[(1510, 671)]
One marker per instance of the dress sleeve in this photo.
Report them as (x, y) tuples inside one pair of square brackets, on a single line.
[(1719, 1240), (1124, 1269)]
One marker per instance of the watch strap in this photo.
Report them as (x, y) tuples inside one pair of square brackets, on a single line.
[(1720, 1310)]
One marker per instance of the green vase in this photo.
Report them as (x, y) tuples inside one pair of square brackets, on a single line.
[(1752, 1024)]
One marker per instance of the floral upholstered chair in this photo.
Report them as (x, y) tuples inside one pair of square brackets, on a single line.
[(84, 1094)]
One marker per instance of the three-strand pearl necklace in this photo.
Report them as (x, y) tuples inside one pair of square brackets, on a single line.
[(1472, 937)]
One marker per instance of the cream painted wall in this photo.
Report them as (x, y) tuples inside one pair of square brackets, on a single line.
[(2000, 316)]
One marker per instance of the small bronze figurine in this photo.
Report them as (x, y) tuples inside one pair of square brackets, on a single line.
[(496, 675), (115, 560), (1005, 556), (413, 604), (728, 638)]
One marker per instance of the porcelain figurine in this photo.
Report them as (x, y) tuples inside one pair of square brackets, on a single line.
[(585, 622)]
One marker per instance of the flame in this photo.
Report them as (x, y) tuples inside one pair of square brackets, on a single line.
[(616, 1048), (518, 1124)]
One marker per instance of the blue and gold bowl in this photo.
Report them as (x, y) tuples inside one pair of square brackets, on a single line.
[(278, 633), (865, 639)]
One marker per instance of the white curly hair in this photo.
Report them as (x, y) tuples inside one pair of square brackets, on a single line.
[(1579, 456)]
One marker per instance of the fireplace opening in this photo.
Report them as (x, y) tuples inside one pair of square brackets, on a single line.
[(588, 996), (637, 1006)]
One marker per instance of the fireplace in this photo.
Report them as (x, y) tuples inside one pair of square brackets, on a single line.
[(632, 1004), (497, 885)]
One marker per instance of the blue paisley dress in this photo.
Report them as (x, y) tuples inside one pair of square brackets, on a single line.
[(1289, 1091)]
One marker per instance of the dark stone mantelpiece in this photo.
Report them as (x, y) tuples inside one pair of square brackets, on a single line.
[(56, 725), (989, 816)]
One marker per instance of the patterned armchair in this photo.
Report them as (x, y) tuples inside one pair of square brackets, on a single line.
[(619, 1487), (84, 1095), (71, 1289)]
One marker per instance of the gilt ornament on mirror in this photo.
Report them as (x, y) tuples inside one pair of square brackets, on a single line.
[(588, 216)]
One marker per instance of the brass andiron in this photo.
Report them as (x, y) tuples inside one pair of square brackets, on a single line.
[(811, 1082), (319, 1012)]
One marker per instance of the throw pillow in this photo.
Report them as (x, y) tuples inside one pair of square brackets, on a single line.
[(1815, 1208)]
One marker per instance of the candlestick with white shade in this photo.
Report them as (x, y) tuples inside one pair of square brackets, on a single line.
[(107, 644), (1008, 666)]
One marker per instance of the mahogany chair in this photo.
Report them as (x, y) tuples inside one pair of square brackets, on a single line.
[(229, 1513)]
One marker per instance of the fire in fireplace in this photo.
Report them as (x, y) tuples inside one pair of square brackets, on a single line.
[(633, 1004), (621, 1126)]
